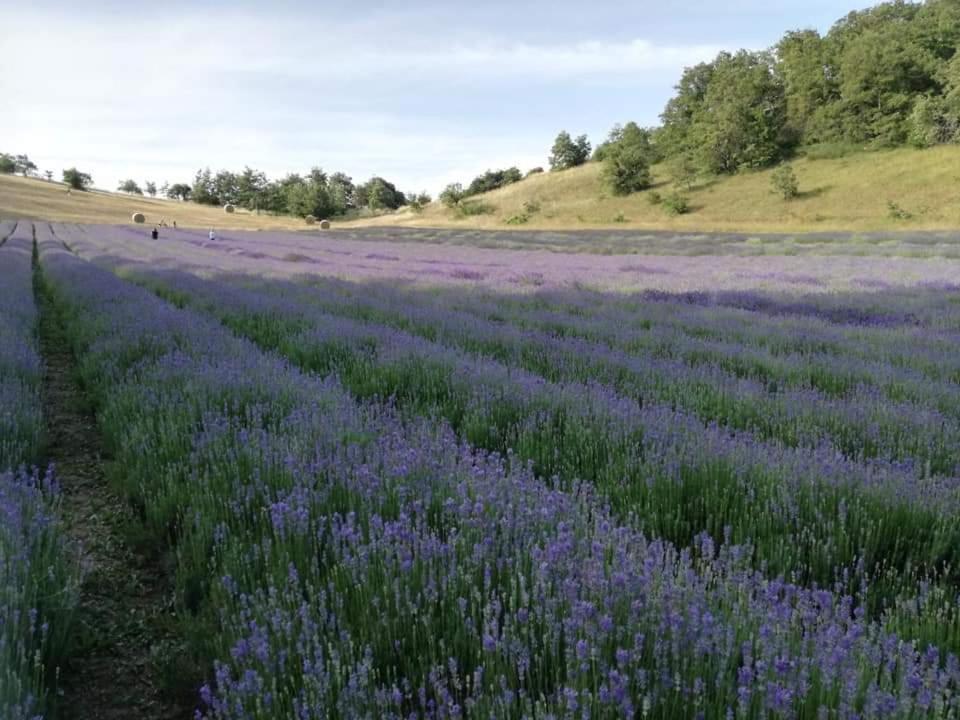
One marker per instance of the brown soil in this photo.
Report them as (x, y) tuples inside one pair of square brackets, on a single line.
[(123, 622)]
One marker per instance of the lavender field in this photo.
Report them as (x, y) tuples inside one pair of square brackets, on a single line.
[(422, 479)]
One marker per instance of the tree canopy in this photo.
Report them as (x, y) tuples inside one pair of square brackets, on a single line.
[(880, 77)]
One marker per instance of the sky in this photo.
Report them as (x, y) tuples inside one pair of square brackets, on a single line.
[(421, 93)]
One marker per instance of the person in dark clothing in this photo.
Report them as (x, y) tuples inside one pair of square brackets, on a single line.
[(154, 233)]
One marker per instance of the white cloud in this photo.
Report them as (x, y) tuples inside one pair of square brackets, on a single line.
[(159, 95)]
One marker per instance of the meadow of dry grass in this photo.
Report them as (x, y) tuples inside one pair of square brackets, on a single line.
[(850, 193), (32, 199)]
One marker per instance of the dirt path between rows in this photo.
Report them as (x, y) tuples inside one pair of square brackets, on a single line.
[(125, 602)]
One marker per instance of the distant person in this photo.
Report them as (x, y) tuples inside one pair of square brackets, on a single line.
[(174, 224), (213, 235), (155, 233)]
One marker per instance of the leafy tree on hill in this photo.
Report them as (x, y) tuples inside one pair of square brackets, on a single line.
[(130, 186), (25, 166), (48, 174), (452, 195), (785, 183), (567, 152), (76, 179), (179, 191), (342, 192), (8, 164), (627, 158), (383, 195), (150, 188), (493, 179)]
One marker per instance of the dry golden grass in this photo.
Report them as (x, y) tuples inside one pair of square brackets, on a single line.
[(850, 193), (32, 199)]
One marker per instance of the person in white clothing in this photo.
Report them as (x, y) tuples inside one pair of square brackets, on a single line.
[(213, 235)]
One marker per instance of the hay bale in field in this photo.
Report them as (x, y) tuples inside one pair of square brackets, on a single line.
[(310, 219), (139, 218), (324, 224), (228, 208)]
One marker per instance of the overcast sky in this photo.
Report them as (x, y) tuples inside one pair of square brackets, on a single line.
[(422, 93)]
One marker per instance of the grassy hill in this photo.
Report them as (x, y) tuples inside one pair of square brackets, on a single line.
[(40, 200), (849, 193)]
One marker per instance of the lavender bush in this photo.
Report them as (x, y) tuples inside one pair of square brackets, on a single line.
[(37, 578)]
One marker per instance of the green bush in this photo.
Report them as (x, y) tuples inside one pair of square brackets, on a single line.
[(471, 209), (531, 207), (676, 203), (654, 198), (784, 182), (619, 218), (895, 212), (520, 219)]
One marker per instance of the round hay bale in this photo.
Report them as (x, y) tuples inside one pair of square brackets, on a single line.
[(139, 218), (310, 219), (324, 224), (228, 209)]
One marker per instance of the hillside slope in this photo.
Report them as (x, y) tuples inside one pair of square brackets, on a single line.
[(33, 199), (849, 193)]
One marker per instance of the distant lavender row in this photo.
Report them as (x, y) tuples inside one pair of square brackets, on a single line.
[(37, 584), (286, 254), (864, 421), (373, 567)]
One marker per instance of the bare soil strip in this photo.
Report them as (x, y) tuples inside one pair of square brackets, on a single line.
[(122, 629)]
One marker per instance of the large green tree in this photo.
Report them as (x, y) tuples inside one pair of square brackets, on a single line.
[(627, 158), (567, 152)]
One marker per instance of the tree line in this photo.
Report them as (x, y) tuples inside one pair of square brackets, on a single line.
[(882, 77)]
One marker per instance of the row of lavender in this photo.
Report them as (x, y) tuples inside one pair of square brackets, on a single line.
[(37, 584), (901, 408), (369, 563), (864, 409)]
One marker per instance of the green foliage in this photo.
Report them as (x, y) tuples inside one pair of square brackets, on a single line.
[(932, 123), (474, 208), (654, 198), (534, 171), (178, 191), (382, 195), (676, 203), (452, 195), (895, 212), (130, 187), (24, 165), (531, 207), (417, 202), (8, 164), (784, 182), (627, 158), (76, 179), (620, 218), (880, 77), (150, 188), (493, 179), (567, 152), (520, 219)]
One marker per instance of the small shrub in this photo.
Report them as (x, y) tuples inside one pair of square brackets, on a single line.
[(654, 198), (676, 203), (534, 171), (531, 207), (895, 212), (472, 209), (785, 183), (452, 195), (619, 218), (520, 219)]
